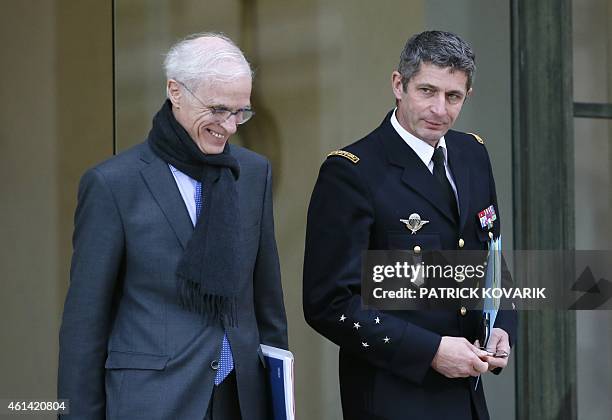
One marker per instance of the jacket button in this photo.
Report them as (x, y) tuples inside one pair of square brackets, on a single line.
[(417, 249), (214, 365), (461, 242), (463, 311)]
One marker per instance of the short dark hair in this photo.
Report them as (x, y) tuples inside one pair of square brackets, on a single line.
[(443, 49)]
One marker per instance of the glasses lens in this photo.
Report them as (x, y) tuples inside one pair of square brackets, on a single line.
[(221, 114), (244, 115)]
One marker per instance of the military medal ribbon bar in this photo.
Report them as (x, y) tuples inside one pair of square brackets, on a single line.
[(487, 217)]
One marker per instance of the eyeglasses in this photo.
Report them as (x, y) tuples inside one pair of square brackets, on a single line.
[(221, 113)]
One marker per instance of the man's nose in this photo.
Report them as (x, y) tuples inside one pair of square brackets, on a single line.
[(230, 124), (438, 105)]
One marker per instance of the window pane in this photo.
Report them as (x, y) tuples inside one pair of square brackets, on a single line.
[(592, 35), (592, 51), (593, 186)]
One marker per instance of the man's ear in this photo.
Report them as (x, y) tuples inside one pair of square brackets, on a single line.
[(396, 85), (469, 92), (174, 92)]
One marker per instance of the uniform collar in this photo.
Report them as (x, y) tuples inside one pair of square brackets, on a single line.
[(423, 150), (415, 173)]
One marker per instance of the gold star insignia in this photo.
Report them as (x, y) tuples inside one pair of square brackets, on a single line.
[(386, 339), (365, 345), (356, 325), (377, 320), (342, 318)]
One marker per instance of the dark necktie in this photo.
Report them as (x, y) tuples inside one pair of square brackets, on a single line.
[(226, 360), (440, 173)]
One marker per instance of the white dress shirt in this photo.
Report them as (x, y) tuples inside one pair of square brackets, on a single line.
[(187, 187)]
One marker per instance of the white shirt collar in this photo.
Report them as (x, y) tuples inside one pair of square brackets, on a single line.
[(423, 150)]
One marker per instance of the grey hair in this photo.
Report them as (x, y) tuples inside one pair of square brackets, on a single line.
[(193, 63), (443, 49)]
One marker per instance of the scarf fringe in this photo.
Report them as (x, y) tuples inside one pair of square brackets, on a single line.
[(212, 307)]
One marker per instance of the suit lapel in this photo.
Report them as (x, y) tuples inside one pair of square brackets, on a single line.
[(415, 175), (163, 187), (461, 174)]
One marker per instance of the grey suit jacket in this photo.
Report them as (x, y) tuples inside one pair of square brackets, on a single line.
[(128, 350)]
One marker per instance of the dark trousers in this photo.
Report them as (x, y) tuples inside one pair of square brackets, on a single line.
[(224, 400)]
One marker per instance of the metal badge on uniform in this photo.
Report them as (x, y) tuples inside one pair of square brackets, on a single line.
[(487, 217), (414, 222)]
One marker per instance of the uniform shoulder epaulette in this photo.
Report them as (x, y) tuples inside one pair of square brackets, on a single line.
[(477, 137), (344, 154)]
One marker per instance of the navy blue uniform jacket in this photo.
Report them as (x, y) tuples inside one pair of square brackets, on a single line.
[(358, 206), (128, 350)]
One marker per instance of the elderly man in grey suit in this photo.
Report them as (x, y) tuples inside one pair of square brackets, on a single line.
[(175, 278)]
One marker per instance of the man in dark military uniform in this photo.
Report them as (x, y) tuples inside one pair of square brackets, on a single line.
[(406, 364)]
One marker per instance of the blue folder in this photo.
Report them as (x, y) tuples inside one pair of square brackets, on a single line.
[(280, 378)]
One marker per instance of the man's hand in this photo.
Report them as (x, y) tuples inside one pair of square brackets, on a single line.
[(498, 342), (457, 358)]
